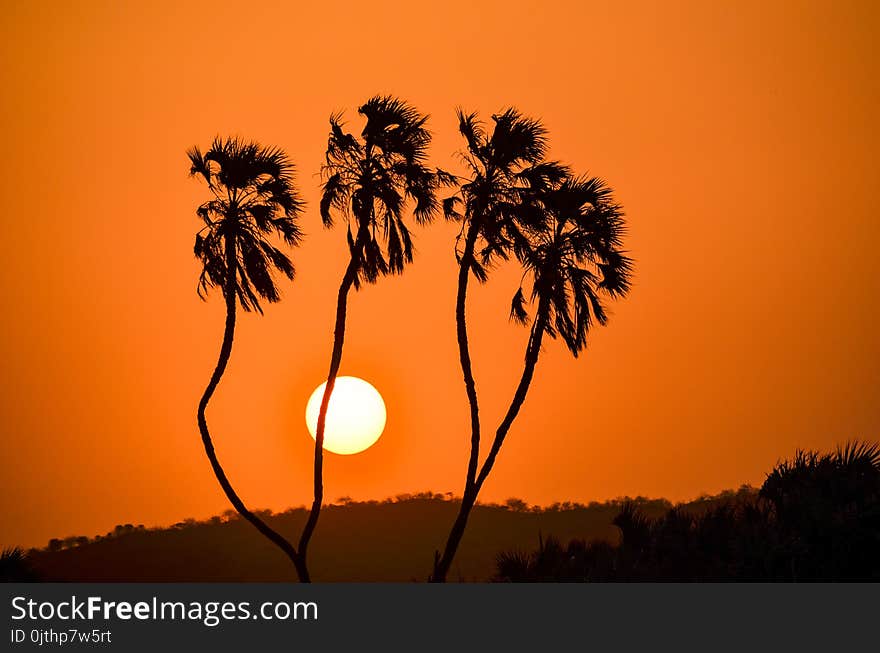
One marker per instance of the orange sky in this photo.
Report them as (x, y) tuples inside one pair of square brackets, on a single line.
[(741, 139)]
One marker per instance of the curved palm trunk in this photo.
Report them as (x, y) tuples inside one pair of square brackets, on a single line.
[(464, 353), (441, 564), (335, 361), (237, 503), (533, 350)]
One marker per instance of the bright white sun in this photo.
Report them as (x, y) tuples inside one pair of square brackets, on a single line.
[(355, 415)]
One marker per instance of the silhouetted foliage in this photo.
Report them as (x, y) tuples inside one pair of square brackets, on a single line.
[(254, 198), (574, 260), (368, 181), (15, 567), (506, 170), (815, 518), (826, 510)]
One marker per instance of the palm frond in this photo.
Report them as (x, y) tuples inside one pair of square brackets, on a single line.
[(451, 208), (517, 139), (472, 130), (255, 200), (445, 178), (859, 452), (374, 179), (573, 258), (518, 311), (507, 171)]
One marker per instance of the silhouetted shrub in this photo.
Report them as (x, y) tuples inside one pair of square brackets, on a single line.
[(15, 567), (816, 517)]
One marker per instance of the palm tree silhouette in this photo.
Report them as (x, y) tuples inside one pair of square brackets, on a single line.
[(505, 169), (253, 200), (369, 181), (574, 260)]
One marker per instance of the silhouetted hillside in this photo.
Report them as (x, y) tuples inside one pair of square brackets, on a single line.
[(392, 540)]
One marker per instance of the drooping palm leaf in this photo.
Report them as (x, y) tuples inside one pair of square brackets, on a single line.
[(254, 201), (371, 180), (506, 167), (574, 259)]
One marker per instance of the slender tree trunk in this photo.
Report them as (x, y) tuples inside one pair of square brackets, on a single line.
[(225, 351), (519, 397), (441, 564), (464, 355), (335, 361), (533, 349)]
